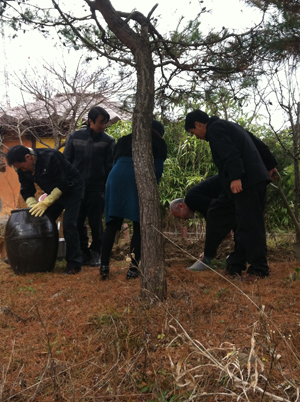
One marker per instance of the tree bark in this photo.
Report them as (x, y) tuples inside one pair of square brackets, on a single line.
[(296, 167), (153, 278)]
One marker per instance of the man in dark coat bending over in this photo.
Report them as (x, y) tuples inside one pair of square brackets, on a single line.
[(220, 220), (50, 170), (244, 177)]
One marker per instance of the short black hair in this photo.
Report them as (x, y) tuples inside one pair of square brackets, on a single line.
[(158, 126), (97, 111), (192, 117), (17, 154)]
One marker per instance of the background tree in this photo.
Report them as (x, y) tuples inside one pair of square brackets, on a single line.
[(280, 32), (61, 100), (280, 97)]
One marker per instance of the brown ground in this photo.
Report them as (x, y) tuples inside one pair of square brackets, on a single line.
[(77, 338)]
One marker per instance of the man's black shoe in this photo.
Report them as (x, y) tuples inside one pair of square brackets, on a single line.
[(104, 271), (6, 260), (71, 271), (232, 268), (133, 273)]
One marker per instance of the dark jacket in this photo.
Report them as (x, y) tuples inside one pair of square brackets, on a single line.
[(124, 147), (266, 155), (51, 170), (159, 149), (92, 155), (236, 154)]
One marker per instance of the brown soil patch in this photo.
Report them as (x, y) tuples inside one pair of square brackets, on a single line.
[(77, 338)]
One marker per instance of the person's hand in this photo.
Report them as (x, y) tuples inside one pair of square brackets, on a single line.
[(273, 174), (236, 186), (38, 209)]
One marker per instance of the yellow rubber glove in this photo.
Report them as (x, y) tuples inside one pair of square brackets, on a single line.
[(39, 208), (31, 201)]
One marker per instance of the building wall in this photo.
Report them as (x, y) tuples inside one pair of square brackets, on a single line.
[(49, 142), (9, 185)]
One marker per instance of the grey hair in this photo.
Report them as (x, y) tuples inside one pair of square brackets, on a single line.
[(174, 204)]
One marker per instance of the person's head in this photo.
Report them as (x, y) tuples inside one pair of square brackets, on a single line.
[(196, 122), (157, 128), (21, 157), (179, 209), (98, 119)]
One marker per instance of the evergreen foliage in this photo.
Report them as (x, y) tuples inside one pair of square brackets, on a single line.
[(189, 162)]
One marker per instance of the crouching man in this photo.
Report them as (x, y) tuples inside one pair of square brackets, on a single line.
[(206, 197), (50, 170)]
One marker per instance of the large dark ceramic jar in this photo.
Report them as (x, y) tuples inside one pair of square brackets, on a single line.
[(31, 243)]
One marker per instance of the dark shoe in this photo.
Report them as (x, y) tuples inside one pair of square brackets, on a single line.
[(133, 273), (261, 273), (95, 259), (6, 261), (233, 270), (234, 267), (71, 271), (104, 271)]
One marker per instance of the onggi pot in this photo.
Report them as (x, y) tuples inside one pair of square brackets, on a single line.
[(31, 242)]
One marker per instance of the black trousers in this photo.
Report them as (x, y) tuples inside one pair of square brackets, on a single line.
[(220, 220), (92, 207), (250, 232), (70, 202), (109, 237)]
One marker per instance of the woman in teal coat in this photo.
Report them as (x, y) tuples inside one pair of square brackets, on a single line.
[(121, 197)]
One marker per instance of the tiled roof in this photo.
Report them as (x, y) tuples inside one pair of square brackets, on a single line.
[(63, 107)]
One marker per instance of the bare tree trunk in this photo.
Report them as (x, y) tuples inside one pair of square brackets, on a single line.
[(296, 166), (153, 280)]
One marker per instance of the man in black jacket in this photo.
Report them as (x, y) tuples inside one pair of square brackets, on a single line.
[(245, 167), (203, 197), (50, 170), (90, 150)]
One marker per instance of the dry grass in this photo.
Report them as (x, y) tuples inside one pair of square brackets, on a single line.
[(76, 338)]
